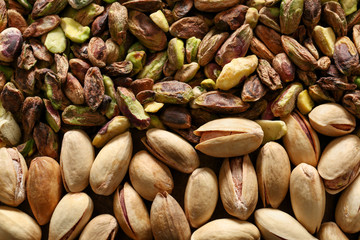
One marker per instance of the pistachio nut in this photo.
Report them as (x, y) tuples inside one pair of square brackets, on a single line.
[(82, 116), (13, 19), (347, 213), (334, 15), (160, 20), (149, 176), (176, 117), (201, 195), (229, 137), (13, 176), (304, 102), (176, 53), (187, 72), (131, 213), (285, 101), (227, 229), (10, 44), (268, 75), (301, 141), (12, 98), (43, 187), (74, 30), (346, 56), (252, 17), (311, 13), (191, 49), (232, 18), (271, 224), (16, 224), (324, 39), (94, 89), (103, 226), (290, 15), (188, 27), (273, 172), (174, 92), (214, 5), (41, 26), (172, 150), (253, 89), (73, 90), (154, 66), (86, 15), (168, 220), (331, 231), (118, 22), (339, 164), (273, 129), (269, 16), (97, 52), (55, 41), (70, 216), (10, 132), (111, 164), (46, 140), (270, 38), (79, 4)]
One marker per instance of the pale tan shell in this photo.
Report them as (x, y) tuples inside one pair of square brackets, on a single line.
[(70, 216), (131, 213), (325, 118), (246, 137), (149, 176), (273, 172), (201, 195), (111, 164), (227, 229), (17, 225), (76, 158), (101, 227), (307, 195), (347, 214), (276, 224), (331, 231)]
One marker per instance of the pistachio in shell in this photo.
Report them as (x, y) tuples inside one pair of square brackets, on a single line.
[(331, 231), (103, 226)]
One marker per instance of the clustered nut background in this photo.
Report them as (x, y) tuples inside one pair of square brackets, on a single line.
[(179, 119)]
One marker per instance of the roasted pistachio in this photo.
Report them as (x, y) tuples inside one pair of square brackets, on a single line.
[(189, 27), (160, 20), (10, 44), (55, 41), (118, 22), (331, 231), (214, 6), (304, 102), (346, 56), (74, 30), (270, 38), (273, 129), (269, 16), (334, 15), (103, 226), (232, 18), (82, 116), (42, 26), (154, 65), (260, 50), (285, 101)]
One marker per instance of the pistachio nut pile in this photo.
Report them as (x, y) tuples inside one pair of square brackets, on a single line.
[(179, 119)]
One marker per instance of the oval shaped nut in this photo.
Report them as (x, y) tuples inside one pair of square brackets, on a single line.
[(301, 141), (227, 229), (131, 213), (73, 90), (172, 150), (346, 56), (271, 224), (332, 119), (76, 158), (16, 224), (339, 164), (168, 220), (284, 67), (173, 92), (94, 88), (13, 175), (325, 39), (290, 15), (70, 216), (273, 173), (273, 129), (238, 186), (307, 195), (285, 101), (44, 187), (41, 26), (229, 137), (149, 176), (188, 27), (331, 231), (214, 5), (347, 213), (111, 165), (10, 44), (103, 226), (201, 195), (97, 52)]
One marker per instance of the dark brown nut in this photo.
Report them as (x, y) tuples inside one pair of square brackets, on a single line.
[(284, 67), (132, 109), (214, 6), (235, 46), (97, 52), (212, 71), (14, 5), (168, 69), (42, 26), (146, 96), (47, 7), (319, 95), (146, 31), (260, 50), (118, 22), (290, 15), (100, 23), (188, 27), (309, 44), (309, 78), (40, 51), (81, 51), (176, 117), (15, 19), (352, 20), (105, 105), (113, 51), (2, 81), (94, 89), (123, 68), (86, 15), (269, 16), (46, 140), (31, 112), (345, 56), (200, 117), (351, 101), (82, 116), (25, 80), (122, 82), (253, 89), (62, 67), (52, 116), (324, 63), (54, 92), (4, 15), (182, 8), (231, 19), (79, 68), (268, 75), (270, 38), (144, 5), (10, 44), (187, 72), (188, 134), (73, 90), (334, 16), (26, 60), (173, 92), (221, 102), (141, 84), (11, 98), (312, 13), (334, 84)]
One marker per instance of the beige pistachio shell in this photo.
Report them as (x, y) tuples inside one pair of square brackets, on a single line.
[(347, 214), (131, 213), (201, 195), (332, 119), (273, 172), (17, 225), (227, 229), (276, 224), (70, 216), (13, 175), (330, 231), (340, 163), (76, 158), (149, 176), (172, 150), (238, 186), (111, 164), (44, 187), (307, 195), (101, 227), (168, 220), (239, 136)]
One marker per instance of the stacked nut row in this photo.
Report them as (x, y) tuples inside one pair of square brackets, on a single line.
[(268, 87)]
